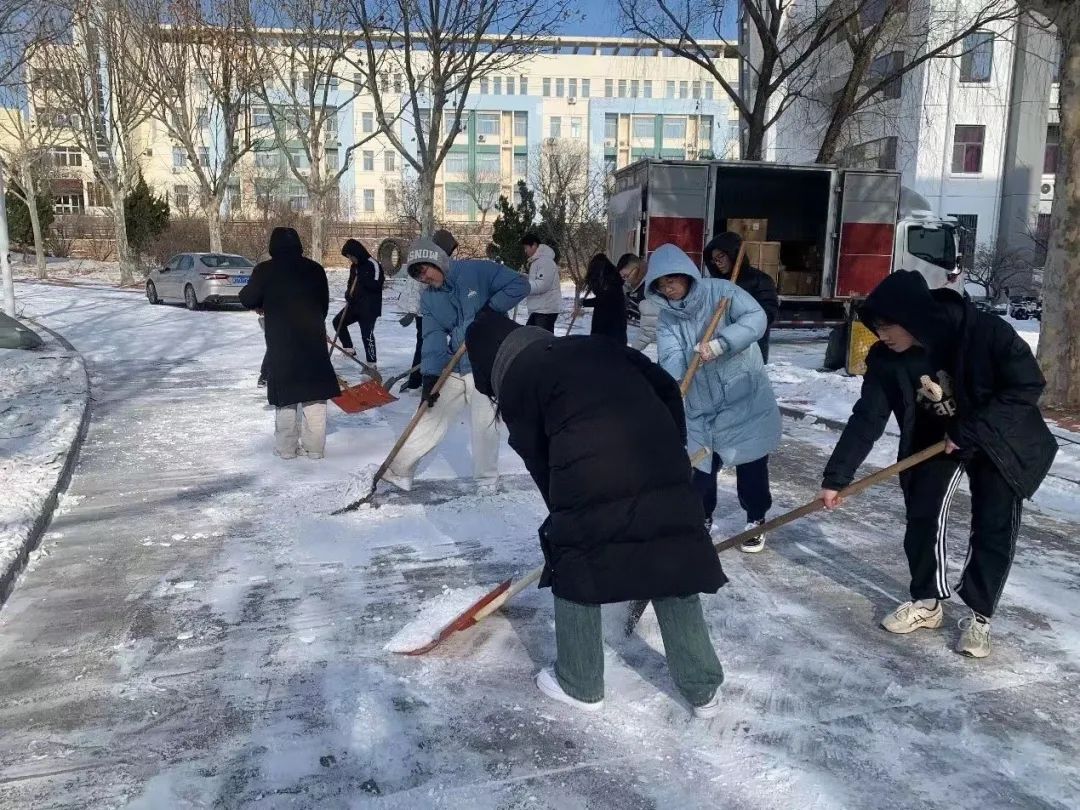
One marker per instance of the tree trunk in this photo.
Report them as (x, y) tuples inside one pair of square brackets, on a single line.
[(1059, 346), (124, 256), (5, 266), (214, 225), (755, 135), (318, 203), (426, 191)]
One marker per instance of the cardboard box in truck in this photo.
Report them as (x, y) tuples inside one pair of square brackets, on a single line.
[(799, 282), (751, 230), (765, 256)]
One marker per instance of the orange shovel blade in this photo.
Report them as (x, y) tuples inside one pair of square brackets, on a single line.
[(464, 620), (368, 394)]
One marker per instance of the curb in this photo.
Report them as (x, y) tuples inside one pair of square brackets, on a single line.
[(806, 416), (9, 576)]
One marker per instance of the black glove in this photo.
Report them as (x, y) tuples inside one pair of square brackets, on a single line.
[(426, 394), (406, 319)]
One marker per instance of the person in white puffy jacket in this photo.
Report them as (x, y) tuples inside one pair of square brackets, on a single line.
[(545, 296), (641, 312), (409, 302)]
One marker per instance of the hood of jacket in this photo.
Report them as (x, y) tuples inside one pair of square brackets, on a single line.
[(904, 298), (669, 260), (285, 244), (494, 343), (543, 252), (355, 250), (426, 251), (728, 243)]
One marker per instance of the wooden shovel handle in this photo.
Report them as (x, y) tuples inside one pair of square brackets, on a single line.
[(714, 324), (853, 489)]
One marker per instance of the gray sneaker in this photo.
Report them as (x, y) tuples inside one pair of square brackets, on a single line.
[(974, 637), (912, 616)]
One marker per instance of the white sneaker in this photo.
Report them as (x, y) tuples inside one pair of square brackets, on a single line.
[(754, 544), (487, 487), (710, 709), (975, 639), (547, 683), (912, 616), (402, 482), (279, 454)]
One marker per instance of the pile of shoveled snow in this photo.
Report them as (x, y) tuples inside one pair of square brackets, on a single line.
[(433, 617)]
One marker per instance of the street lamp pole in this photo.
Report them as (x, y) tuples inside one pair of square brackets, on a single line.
[(5, 263)]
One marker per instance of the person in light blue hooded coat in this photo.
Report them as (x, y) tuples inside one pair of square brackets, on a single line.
[(731, 412)]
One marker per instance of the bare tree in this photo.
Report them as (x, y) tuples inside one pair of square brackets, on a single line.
[(1001, 271), (483, 189), (201, 72), (784, 41), (437, 51), (311, 75), (570, 193), (94, 90), (1059, 349)]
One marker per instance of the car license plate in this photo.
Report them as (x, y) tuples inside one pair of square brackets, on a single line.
[(240, 279)]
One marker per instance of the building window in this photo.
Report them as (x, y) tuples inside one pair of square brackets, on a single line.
[(523, 85), (487, 124), (635, 86), (876, 154), (457, 201), (204, 156), (509, 85), (572, 87), (299, 159), (885, 66), (695, 90), (389, 161), (488, 164), (977, 58), (622, 88), (457, 163), (967, 230), (705, 129), (233, 199), (359, 83), (266, 160), (585, 88), (181, 198), (260, 116), (555, 130), (68, 204), (521, 125), (331, 160), (648, 88), (967, 154), (709, 90), (397, 83), (202, 117), (547, 88), (684, 89), (367, 122), (369, 161), (66, 156), (643, 127), (560, 88), (611, 126), (390, 200), (670, 92), (611, 163), (485, 86), (369, 200), (179, 158), (609, 88), (674, 128), (575, 126), (521, 165), (1053, 144), (497, 82)]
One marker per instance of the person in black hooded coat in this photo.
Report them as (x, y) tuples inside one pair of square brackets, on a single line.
[(948, 371), (363, 299), (720, 256), (602, 432), (608, 302), (294, 297)]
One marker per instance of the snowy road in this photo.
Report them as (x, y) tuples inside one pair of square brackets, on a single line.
[(200, 633)]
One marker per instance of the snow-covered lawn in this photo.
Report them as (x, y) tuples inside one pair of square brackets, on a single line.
[(42, 396)]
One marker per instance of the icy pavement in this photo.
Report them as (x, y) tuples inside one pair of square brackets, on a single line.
[(42, 400), (203, 634)]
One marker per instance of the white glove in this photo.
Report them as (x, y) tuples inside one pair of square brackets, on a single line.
[(710, 351)]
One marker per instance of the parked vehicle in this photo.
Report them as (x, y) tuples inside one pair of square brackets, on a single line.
[(829, 235), (196, 279), (1024, 308)]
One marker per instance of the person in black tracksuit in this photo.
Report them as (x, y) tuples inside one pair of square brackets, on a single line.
[(608, 301), (363, 299), (948, 371), (720, 255)]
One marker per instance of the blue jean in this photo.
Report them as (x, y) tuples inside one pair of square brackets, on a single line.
[(692, 661)]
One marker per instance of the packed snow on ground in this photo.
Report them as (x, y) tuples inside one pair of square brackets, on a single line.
[(42, 394), (205, 633), (434, 616)]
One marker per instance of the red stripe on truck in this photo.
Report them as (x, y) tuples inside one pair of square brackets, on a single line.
[(687, 233), (866, 237), (865, 256)]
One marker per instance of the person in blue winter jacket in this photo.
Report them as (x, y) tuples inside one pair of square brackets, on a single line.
[(731, 412), (454, 293)]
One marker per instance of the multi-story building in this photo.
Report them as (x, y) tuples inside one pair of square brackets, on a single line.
[(619, 98), (975, 135)]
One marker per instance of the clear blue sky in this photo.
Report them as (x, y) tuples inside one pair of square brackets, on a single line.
[(602, 18)]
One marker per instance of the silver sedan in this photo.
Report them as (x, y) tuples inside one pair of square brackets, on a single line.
[(196, 279)]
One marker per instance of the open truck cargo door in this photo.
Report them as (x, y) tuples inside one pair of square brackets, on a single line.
[(868, 213), (624, 223), (678, 203)]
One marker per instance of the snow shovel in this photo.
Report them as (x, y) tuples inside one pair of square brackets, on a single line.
[(816, 505), (399, 377), (446, 372), (368, 394), (714, 324)]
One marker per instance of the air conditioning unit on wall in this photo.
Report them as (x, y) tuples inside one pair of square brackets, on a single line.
[(481, 138), (1046, 191)]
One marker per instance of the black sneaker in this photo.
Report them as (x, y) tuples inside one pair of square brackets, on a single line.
[(753, 545)]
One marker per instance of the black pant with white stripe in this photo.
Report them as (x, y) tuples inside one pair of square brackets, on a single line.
[(995, 521)]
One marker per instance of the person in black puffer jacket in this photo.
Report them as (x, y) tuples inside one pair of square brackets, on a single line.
[(363, 299), (608, 301), (625, 522), (948, 371), (720, 255)]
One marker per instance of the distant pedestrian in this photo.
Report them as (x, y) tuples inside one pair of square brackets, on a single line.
[(641, 312), (720, 256), (409, 301), (294, 297), (363, 299), (731, 412), (601, 431), (545, 294), (604, 295)]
